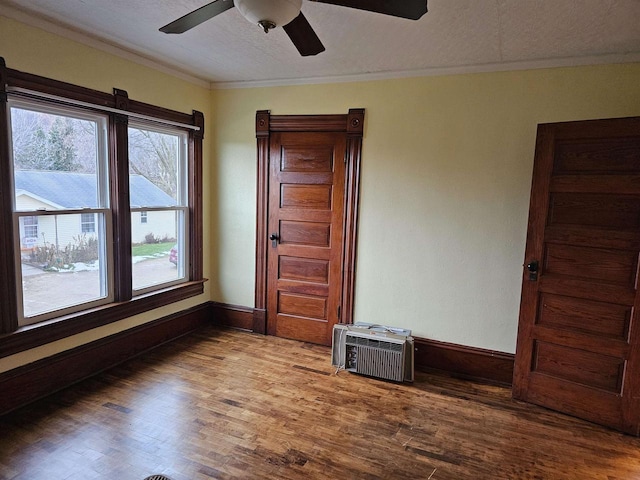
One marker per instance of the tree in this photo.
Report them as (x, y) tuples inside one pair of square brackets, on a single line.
[(60, 146), (155, 156), (43, 141), (33, 153), (29, 139)]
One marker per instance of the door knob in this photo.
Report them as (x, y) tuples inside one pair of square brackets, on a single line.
[(533, 270), (274, 239)]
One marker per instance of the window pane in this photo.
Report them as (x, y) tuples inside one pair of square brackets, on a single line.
[(59, 164), (155, 160), (157, 179), (55, 161), (61, 267), (157, 250)]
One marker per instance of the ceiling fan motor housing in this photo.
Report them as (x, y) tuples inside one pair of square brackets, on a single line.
[(274, 13)]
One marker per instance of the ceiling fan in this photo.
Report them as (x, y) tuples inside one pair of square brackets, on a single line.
[(269, 14)]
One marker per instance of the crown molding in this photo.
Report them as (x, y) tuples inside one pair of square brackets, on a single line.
[(622, 58)]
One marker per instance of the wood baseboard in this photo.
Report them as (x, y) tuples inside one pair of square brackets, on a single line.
[(43, 377), (465, 362), (234, 316), (458, 360), (259, 321)]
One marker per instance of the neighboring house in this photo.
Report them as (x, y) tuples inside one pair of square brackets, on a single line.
[(37, 190)]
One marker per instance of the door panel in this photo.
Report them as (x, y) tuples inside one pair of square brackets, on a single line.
[(613, 211), (585, 316), (309, 158), (578, 338), (597, 155), (596, 264), (300, 233), (305, 269), (604, 407), (306, 196), (303, 306), (579, 366), (306, 214)]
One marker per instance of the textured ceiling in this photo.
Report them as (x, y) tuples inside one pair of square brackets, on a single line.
[(456, 35)]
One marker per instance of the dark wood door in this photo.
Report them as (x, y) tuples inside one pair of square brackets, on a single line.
[(578, 339), (306, 216)]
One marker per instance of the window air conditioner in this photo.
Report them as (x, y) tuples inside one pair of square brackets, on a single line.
[(373, 350)]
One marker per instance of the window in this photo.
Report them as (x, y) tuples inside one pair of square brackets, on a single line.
[(73, 190), (29, 228), (158, 186), (60, 166), (88, 223)]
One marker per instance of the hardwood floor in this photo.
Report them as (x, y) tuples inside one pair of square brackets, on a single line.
[(227, 404)]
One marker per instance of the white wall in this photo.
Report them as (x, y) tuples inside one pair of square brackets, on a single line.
[(160, 224)]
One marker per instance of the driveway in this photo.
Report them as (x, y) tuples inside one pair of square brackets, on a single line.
[(45, 291)]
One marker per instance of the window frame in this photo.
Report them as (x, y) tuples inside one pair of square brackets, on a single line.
[(13, 338)]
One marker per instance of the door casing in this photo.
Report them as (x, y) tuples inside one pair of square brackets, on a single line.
[(353, 125)]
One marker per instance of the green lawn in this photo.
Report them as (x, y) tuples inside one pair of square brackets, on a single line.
[(151, 249)]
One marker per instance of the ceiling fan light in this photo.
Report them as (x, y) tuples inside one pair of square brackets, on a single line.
[(276, 12)]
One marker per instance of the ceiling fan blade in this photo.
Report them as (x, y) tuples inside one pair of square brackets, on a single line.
[(303, 37), (198, 16), (411, 9)]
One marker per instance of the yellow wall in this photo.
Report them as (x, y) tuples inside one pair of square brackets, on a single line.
[(446, 174), (35, 51)]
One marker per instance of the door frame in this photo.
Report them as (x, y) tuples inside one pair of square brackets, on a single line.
[(353, 125)]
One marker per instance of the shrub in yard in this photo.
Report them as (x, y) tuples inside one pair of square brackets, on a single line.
[(151, 238), (45, 256), (83, 249), (167, 239)]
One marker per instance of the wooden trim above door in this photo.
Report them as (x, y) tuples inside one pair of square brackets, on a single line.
[(353, 125)]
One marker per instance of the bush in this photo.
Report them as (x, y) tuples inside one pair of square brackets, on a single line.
[(83, 249), (150, 238), (167, 239)]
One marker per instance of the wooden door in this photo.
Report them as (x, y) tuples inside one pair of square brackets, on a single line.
[(578, 339), (306, 213)]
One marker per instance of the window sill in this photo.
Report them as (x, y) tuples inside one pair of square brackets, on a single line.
[(31, 336)]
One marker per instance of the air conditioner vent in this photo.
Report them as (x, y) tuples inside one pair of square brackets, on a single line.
[(384, 352), (373, 343)]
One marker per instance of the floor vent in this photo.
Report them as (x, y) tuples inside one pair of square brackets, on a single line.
[(157, 477)]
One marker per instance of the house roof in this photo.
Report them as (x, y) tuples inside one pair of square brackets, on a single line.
[(79, 190)]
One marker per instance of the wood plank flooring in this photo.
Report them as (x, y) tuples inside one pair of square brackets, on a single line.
[(227, 404)]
